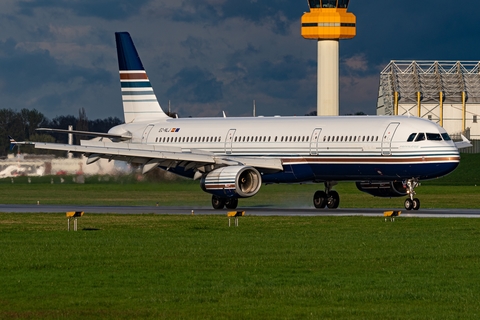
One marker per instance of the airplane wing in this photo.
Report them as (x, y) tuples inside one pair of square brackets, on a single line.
[(465, 143), (152, 156)]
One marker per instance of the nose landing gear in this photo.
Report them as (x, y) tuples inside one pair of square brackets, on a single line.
[(411, 202)]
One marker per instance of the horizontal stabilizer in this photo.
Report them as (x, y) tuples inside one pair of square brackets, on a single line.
[(88, 133)]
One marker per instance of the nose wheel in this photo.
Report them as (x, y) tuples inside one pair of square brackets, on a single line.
[(412, 203)]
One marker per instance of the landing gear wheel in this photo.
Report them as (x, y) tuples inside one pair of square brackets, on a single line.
[(231, 203), (416, 204), (333, 200), (409, 204), (218, 203), (320, 199)]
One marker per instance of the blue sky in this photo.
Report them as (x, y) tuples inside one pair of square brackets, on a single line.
[(209, 56)]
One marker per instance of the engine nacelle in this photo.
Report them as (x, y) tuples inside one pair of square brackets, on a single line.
[(232, 182), (385, 189)]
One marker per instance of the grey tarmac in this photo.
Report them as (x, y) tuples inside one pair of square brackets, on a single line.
[(254, 211)]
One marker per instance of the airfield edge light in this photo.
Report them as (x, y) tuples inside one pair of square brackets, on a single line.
[(327, 22)]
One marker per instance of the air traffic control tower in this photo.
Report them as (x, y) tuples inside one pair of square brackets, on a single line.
[(327, 22)]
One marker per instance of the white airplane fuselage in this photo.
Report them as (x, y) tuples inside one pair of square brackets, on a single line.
[(311, 148)]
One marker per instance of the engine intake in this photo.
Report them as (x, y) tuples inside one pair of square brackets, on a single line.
[(385, 189), (232, 182)]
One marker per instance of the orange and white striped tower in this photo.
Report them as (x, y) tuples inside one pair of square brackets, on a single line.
[(327, 22)]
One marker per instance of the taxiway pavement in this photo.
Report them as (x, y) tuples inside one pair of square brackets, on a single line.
[(254, 211)]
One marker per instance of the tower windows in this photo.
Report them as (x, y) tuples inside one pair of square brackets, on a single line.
[(343, 3), (329, 3), (314, 3)]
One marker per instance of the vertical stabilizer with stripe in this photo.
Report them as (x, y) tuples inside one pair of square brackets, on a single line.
[(139, 100)]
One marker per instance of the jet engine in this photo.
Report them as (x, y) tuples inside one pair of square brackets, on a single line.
[(384, 189), (232, 182)]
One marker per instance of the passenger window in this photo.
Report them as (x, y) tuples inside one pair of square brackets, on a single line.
[(420, 137)]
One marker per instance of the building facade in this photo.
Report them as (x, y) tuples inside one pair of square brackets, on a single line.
[(446, 92)]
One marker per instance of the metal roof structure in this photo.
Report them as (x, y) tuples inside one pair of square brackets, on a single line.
[(447, 92)]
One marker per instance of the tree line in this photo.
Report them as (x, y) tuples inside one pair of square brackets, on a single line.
[(22, 125)]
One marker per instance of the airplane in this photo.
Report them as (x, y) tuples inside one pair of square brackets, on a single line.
[(386, 156)]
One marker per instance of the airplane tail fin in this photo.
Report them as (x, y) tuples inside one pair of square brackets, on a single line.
[(139, 100)]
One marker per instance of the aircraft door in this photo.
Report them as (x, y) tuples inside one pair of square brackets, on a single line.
[(314, 141), (229, 141), (146, 132), (387, 138)]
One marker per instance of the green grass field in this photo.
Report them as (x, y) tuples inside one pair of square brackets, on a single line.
[(461, 189), (196, 267)]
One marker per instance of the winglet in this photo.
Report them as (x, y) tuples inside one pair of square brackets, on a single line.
[(139, 100), (465, 143)]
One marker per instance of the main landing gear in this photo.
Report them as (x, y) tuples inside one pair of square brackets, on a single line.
[(219, 203), (411, 202), (328, 198)]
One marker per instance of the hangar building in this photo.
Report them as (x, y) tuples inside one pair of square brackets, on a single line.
[(446, 92)]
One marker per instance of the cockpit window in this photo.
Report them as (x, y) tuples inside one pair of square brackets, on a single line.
[(411, 137), (446, 137), (420, 137), (434, 136)]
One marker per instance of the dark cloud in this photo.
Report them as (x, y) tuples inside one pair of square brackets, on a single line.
[(105, 9), (195, 46), (23, 71), (278, 15), (286, 69), (196, 85), (34, 79), (270, 64)]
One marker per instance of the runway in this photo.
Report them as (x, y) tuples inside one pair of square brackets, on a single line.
[(254, 211)]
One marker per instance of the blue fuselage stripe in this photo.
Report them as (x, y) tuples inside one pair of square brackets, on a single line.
[(136, 84)]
